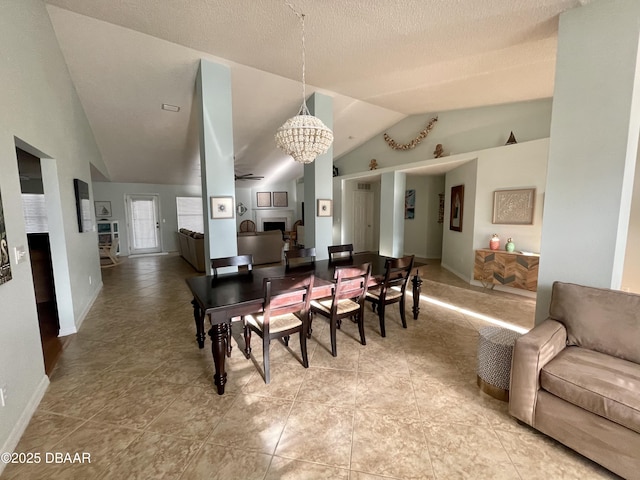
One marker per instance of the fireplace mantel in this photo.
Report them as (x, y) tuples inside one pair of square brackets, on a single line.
[(278, 215)]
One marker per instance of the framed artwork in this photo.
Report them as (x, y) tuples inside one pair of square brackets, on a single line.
[(514, 207), (280, 199), (324, 208), (83, 207), (457, 207), (263, 199), (5, 261), (441, 208), (103, 209), (222, 207), (410, 204)]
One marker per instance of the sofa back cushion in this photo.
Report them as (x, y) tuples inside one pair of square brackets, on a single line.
[(607, 321)]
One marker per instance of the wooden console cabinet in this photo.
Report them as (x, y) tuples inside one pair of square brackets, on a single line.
[(511, 269)]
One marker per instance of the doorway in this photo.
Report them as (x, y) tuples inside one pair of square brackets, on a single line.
[(143, 215), (37, 229), (363, 220)]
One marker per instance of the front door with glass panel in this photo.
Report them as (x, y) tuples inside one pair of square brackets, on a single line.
[(144, 224)]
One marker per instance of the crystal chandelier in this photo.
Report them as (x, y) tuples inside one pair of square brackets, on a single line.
[(304, 136)]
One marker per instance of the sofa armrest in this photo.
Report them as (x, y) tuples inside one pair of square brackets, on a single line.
[(531, 353)]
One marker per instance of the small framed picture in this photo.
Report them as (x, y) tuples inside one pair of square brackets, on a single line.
[(263, 199), (457, 207), (324, 208), (280, 199), (103, 209), (222, 207)]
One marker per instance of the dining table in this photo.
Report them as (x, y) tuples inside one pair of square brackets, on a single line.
[(229, 295)]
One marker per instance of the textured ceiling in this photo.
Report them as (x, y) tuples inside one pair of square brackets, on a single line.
[(379, 60)]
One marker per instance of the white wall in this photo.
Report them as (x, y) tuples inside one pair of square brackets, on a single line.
[(459, 131), (115, 193), (40, 107), (514, 166), (457, 247), (591, 166), (423, 234)]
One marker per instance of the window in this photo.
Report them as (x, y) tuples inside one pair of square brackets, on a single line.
[(35, 213), (190, 213)]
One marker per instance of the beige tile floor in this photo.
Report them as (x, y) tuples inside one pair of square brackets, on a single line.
[(134, 391)]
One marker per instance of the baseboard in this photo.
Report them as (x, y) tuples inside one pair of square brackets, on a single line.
[(138, 255), (83, 315), (457, 274), (21, 425)]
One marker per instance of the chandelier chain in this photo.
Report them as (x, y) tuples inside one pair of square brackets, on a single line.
[(304, 110)]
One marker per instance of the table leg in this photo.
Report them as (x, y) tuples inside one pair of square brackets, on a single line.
[(417, 284), (199, 318), (218, 334)]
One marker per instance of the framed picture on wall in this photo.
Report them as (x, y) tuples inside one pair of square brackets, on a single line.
[(324, 208), (103, 209), (263, 199), (410, 204), (514, 207), (83, 207), (457, 207), (280, 199), (222, 207)]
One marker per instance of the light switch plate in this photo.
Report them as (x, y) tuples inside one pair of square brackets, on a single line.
[(20, 254)]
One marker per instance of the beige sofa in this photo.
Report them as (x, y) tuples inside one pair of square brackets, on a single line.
[(266, 247), (191, 248), (576, 376)]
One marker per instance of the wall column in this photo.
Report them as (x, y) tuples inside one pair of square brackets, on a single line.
[(594, 141), (392, 192), (318, 184), (216, 157)]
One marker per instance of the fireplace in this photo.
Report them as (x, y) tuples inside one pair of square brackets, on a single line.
[(267, 217), (269, 225)]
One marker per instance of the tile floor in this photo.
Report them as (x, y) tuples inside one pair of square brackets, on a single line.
[(134, 391)]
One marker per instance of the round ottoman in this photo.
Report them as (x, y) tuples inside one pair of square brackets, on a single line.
[(495, 349)]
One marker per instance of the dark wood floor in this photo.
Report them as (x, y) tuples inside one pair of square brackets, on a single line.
[(52, 345)]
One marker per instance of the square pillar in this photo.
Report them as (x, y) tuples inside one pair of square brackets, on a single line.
[(216, 157), (392, 192)]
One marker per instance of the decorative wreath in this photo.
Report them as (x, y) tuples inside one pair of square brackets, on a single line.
[(412, 144)]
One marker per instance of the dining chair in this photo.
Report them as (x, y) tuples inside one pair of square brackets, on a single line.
[(392, 289), (347, 300), (301, 257), (339, 252), (247, 226), (285, 311), (241, 261)]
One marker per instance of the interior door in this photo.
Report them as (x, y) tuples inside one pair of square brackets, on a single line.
[(143, 222), (363, 221)]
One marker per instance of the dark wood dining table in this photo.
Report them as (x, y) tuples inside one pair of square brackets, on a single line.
[(236, 294)]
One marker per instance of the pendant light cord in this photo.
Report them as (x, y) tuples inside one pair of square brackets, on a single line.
[(304, 110)]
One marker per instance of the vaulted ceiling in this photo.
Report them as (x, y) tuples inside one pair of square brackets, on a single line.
[(379, 60)]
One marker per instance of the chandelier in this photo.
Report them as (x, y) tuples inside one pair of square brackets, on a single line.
[(304, 136)]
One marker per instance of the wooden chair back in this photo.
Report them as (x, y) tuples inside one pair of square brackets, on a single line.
[(339, 250), (287, 294), (397, 273), (351, 282), (302, 256), (236, 261)]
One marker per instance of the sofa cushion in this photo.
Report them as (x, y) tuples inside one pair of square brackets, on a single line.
[(607, 321), (602, 384)]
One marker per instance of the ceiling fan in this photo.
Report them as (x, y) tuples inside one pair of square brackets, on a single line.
[(248, 176)]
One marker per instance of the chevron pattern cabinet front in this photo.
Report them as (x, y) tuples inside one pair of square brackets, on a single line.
[(511, 269)]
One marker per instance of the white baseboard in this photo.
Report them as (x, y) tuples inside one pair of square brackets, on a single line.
[(25, 418), (457, 274), (137, 255), (83, 315)]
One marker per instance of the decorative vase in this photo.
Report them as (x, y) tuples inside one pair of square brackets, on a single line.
[(510, 247), (494, 243)]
